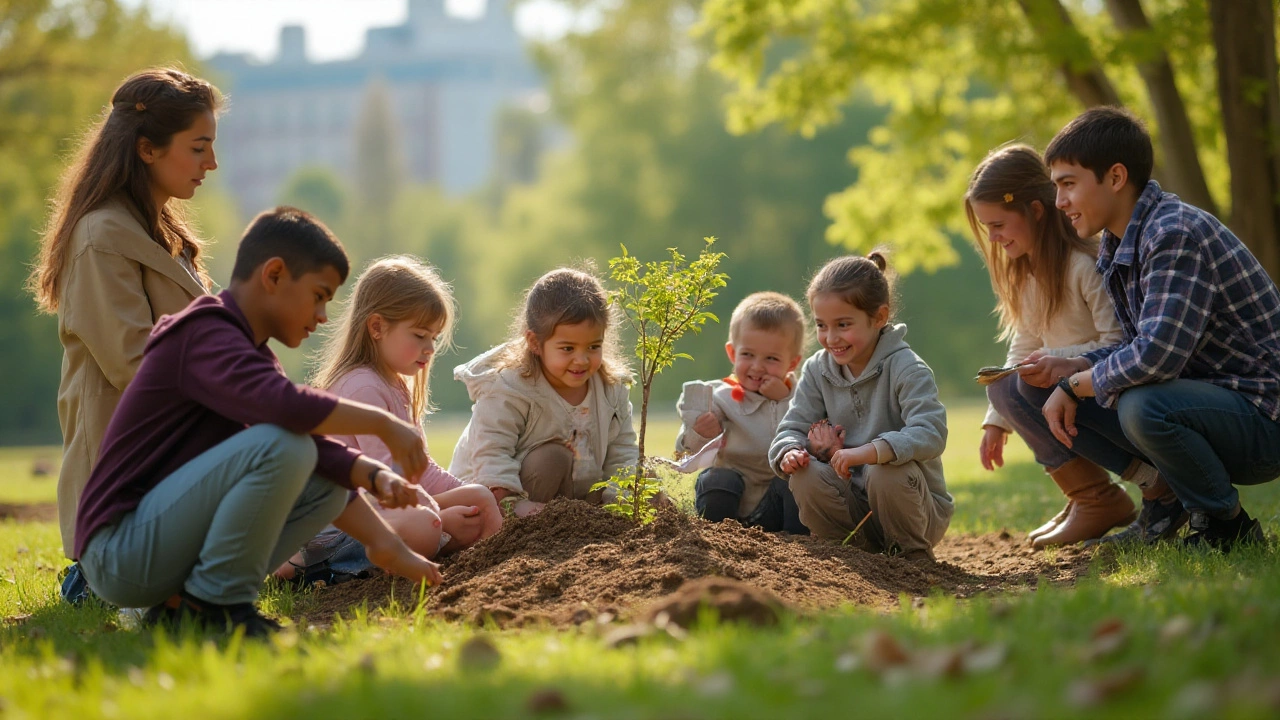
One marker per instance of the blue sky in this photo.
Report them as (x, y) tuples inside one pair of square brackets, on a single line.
[(335, 28)]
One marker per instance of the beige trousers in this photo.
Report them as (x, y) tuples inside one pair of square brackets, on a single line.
[(547, 472), (904, 514)]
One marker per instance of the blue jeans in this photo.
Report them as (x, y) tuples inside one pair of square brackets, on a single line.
[(1100, 437), (1027, 420), (1203, 439), (217, 525)]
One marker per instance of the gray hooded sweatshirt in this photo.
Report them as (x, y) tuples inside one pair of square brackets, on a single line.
[(894, 400)]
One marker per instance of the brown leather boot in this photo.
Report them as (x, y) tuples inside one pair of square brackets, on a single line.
[(1052, 523), (1097, 505)]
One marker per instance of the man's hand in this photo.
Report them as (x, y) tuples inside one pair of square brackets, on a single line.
[(1045, 370), (774, 388), (408, 450), (843, 461), (707, 425), (393, 491), (991, 449), (825, 439), (793, 461), (1060, 411)]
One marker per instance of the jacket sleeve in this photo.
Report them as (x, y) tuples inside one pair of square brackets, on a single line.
[(924, 420), (103, 303), (807, 407), (689, 410), (498, 419), (623, 450)]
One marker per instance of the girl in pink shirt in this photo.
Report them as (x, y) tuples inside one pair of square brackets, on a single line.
[(380, 354)]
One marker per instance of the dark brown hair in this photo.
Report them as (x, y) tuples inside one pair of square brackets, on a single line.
[(154, 104), (863, 282), (1015, 177), (564, 296), (1101, 137), (295, 236)]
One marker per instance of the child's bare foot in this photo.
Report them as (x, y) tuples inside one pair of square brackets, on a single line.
[(398, 559)]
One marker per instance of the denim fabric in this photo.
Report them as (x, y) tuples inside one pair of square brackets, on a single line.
[(1027, 420), (1100, 437)]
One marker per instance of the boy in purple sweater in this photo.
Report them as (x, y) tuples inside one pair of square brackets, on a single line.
[(214, 468)]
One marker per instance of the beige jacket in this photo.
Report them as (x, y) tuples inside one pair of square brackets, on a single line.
[(749, 428), (116, 284), (1086, 321), (512, 415)]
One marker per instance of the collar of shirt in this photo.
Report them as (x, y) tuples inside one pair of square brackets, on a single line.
[(1124, 251)]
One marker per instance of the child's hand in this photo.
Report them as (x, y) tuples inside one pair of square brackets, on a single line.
[(398, 559), (774, 388), (464, 523), (991, 449), (843, 461), (707, 425), (407, 448), (393, 491), (793, 461), (825, 439)]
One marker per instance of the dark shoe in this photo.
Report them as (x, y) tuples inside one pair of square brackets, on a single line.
[(75, 589), (1158, 521), (1211, 532), (211, 616)]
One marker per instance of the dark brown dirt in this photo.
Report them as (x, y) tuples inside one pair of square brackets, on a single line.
[(573, 562), (37, 512)]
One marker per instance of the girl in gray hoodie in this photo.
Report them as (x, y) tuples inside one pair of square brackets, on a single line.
[(862, 442)]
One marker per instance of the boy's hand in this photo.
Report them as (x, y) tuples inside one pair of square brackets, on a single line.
[(393, 491), (793, 461), (707, 425), (1045, 370), (774, 388), (1060, 411), (406, 446), (825, 439), (843, 461), (991, 449), (398, 559)]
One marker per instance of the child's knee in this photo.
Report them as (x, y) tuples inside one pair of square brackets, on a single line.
[(903, 482), (420, 529), (545, 471), (808, 481), (720, 480)]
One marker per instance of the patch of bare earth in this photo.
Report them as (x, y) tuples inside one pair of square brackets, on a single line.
[(573, 562)]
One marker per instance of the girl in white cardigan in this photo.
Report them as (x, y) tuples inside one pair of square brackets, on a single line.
[(551, 414), (1052, 305)]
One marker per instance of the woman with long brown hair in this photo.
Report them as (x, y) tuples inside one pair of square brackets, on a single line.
[(118, 253), (1052, 305)]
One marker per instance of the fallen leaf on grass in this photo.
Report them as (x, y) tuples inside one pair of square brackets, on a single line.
[(17, 619), (985, 658), (1177, 628), (1108, 638), (1092, 692), (546, 701), (883, 651)]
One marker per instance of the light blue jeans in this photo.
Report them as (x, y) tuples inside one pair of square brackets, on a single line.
[(217, 525)]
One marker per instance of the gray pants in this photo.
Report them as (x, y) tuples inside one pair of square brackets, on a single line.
[(217, 525), (904, 514)]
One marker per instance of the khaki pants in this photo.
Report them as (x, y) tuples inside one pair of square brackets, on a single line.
[(547, 472), (904, 514)]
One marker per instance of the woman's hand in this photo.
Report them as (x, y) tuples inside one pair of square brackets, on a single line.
[(991, 449)]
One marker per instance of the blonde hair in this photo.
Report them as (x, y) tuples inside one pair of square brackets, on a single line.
[(154, 104), (771, 312), (399, 289), (1015, 177), (564, 296), (863, 282)]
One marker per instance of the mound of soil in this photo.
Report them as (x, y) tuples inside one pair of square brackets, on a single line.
[(37, 512), (573, 562)]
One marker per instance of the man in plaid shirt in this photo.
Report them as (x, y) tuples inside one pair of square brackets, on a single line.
[(1194, 387)]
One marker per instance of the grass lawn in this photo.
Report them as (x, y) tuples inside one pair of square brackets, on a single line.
[(1148, 633)]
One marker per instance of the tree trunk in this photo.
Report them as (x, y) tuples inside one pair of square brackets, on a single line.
[(1084, 75), (1249, 91), (1181, 164), (644, 426)]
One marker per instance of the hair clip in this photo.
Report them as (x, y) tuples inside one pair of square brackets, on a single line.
[(139, 107), (1008, 197)]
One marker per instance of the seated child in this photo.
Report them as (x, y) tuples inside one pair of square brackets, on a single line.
[(214, 468), (551, 414), (865, 432), (766, 335), (400, 313)]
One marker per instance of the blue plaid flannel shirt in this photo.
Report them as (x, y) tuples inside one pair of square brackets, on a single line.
[(1193, 303)]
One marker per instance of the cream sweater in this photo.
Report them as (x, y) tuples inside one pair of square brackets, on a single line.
[(1085, 321)]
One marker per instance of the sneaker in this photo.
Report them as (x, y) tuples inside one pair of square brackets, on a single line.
[(1211, 532), (211, 616), (75, 588), (1157, 522)]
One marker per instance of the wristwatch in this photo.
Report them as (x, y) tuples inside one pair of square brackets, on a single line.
[(1069, 387)]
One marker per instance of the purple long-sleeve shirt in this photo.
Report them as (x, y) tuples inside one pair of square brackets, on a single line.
[(202, 380)]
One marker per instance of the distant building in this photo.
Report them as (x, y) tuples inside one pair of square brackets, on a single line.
[(447, 79)]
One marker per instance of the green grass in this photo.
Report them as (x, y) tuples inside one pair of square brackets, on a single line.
[(1197, 640)]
